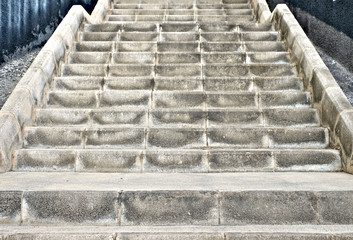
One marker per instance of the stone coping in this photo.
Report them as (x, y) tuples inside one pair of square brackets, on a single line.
[(30, 91)]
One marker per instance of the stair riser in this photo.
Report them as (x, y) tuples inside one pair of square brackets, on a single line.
[(172, 46), (187, 84), (160, 99), (176, 161), (178, 12), (158, 18), (179, 36), (179, 70), (176, 138), (179, 118), (177, 58), (209, 27)]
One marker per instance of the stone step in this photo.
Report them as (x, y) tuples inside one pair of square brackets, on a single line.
[(179, 36), (96, 99), (178, 117), (259, 84), (79, 137), (188, 46), (255, 46), (251, 232), (203, 27), (137, 46), (180, 12), (181, 8), (258, 69), (171, 160), (87, 117), (229, 199), (130, 19), (179, 57), (248, 84), (118, 70), (177, 99), (95, 46), (99, 37), (265, 117), (178, 46), (172, 3), (180, 69), (229, 100), (241, 27), (139, 137)]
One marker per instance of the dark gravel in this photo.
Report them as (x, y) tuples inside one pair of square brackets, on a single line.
[(343, 77), (12, 71)]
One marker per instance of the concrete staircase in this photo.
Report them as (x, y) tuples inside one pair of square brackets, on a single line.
[(179, 114)]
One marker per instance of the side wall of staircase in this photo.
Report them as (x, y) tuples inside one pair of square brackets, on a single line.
[(335, 110)]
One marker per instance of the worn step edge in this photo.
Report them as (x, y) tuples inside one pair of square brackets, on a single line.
[(109, 232), (288, 181)]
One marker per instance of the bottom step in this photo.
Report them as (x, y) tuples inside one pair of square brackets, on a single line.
[(227, 199), (252, 232)]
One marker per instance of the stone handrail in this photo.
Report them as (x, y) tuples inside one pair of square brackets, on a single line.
[(18, 111)]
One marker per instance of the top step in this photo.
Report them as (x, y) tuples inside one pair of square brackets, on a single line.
[(179, 2)]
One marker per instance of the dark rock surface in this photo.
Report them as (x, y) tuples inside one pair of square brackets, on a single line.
[(25, 25), (343, 77), (12, 71)]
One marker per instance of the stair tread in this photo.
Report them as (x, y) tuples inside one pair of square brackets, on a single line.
[(289, 181), (186, 229)]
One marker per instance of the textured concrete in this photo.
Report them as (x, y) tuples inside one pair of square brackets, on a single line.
[(159, 120), (180, 232), (176, 181), (225, 199)]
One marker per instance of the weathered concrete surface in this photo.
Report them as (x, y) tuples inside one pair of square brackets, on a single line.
[(135, 199), (176, 232), (176, 181), (179, 232), (159, 118), (328, 97)]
